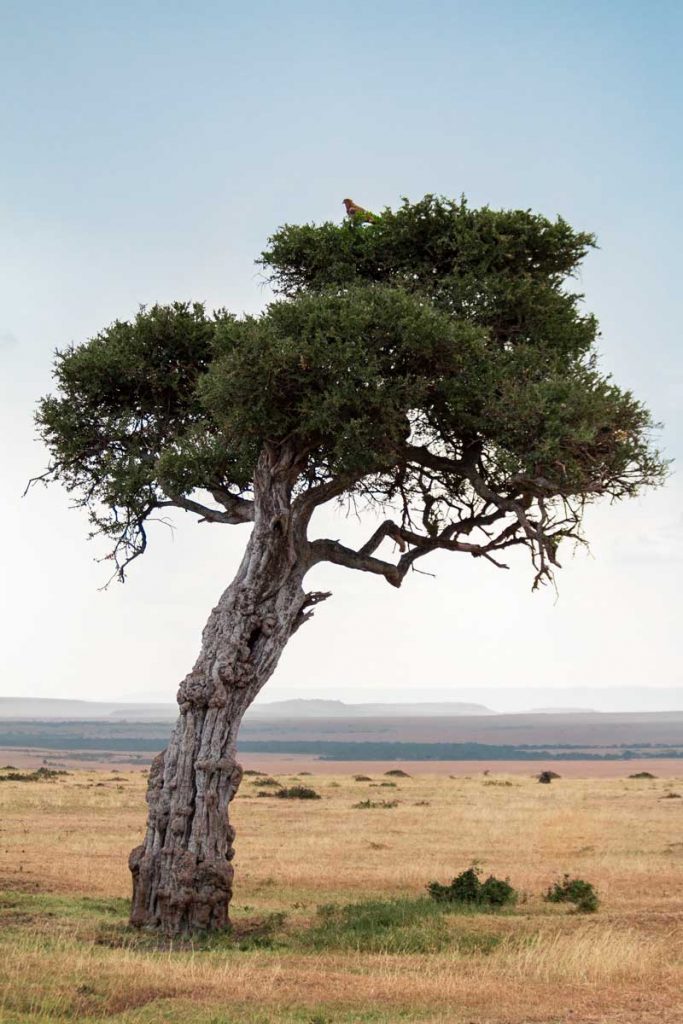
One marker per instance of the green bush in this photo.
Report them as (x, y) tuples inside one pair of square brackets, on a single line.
[(297, 793), (574, 890), (467, 888)]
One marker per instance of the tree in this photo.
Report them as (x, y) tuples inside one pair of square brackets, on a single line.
[(433, 365)]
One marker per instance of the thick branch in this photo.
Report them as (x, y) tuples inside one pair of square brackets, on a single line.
[(306, 503), (333, 551), (241, 508), (424, 457), (241, 511)]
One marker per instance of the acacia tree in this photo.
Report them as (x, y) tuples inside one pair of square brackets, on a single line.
[(433, 365)]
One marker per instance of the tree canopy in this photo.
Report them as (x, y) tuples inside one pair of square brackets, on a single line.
[(434, 363)]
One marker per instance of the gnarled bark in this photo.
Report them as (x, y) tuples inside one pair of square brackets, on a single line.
[(182, 875)]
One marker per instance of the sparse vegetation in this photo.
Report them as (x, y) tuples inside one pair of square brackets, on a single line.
[(398, 773), (371, 804), (574, 890), (39, 775), (67, 954)]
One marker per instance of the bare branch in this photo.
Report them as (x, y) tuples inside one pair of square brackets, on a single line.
[(333, 551), (241, 512), (311, 600), (420, 545)]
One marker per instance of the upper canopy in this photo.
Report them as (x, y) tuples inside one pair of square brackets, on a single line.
[(434, 358)]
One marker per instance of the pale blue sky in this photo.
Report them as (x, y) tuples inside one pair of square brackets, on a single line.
[(147, 151)]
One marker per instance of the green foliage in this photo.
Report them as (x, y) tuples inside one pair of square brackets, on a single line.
[(436, 328), (574, 890), (391, 926), (365, 805), (467, 888), (297, 793)]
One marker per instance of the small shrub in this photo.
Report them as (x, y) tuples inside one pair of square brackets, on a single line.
[(362, 778), (671, 796), (367, 804), (496, 782), (467, 888), (387, 785), (422, 803), (398, 773), (252, 771), (642, 775), (267, 781), (547, 777), (297, 793), (574, 890)]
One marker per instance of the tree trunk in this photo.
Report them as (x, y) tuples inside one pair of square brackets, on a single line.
[(182, 876)]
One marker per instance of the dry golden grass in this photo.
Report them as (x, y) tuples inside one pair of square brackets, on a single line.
[(65, 958)]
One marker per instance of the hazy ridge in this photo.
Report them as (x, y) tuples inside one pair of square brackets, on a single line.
[(484, 701)]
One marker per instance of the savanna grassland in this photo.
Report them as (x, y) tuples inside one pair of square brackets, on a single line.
[(66, 953)]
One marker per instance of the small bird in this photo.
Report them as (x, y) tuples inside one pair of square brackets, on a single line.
[(356, 212)]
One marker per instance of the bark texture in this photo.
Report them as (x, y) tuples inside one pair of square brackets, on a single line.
[(182, 875)]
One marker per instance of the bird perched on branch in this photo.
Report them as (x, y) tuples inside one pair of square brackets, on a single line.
[(356, 212)]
